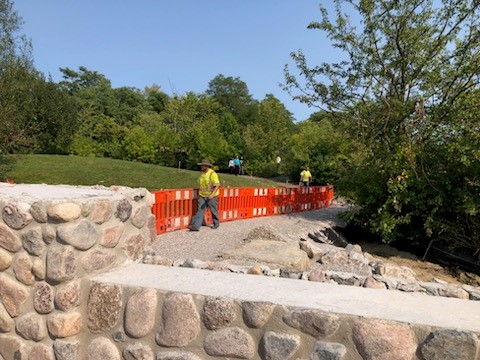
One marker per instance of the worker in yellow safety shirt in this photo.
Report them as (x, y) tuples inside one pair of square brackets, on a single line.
[(305, 177), (208, 191)]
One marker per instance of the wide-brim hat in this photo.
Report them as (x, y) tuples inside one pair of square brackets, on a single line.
[(205, 162)]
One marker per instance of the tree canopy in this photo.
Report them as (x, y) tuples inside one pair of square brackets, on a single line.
[(407, 93)]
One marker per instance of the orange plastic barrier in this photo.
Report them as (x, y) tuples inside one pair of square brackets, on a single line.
[(174, 208)]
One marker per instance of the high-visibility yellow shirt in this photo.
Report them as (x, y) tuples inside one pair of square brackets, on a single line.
[(206, 182), (305, 176)]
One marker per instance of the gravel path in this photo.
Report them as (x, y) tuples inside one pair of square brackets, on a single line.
[(207, 244)]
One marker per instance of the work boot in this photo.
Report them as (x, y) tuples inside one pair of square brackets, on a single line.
[(192, 228), (215, 226)]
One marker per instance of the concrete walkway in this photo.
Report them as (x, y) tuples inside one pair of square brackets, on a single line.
[(394, 305)]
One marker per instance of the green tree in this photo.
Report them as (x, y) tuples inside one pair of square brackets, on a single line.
[(139, 146), (130, 102), (98, 135), (408, 67), (35, 116), (267, 137), (55, 117), (233, 94), (156, 98), (322, 147), (196, 120), (15, 80)]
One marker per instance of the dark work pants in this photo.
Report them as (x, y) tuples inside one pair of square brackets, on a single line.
[(203, 203)]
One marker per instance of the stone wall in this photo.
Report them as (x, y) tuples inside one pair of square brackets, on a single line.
[(51, 239), (144, 324)]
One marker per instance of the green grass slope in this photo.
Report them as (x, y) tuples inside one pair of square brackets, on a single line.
[(75, 170)]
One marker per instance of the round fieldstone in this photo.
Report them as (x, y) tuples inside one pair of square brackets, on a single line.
[(218, 312), (328, 351), (87, 208), (118, 336), (38, 268), (102, 210), (104, 307), (63, 325), (17, 215), (6, 322), (9, 240), (82, 235), (64, 212), (33, 241), (68, 296), (41, 352), (43, 298), (234, 342), (379, 339), (180, 319), (49, 234), (177, 355), (138, 351), (39, 211), (135, 247), (123, 210), (13, 295), (5, 260), (256, 314), (275, 346), (61, 264), (140, 313), (22, 267), (312, 322), (66, 350), (12, 347), (450, 345), (98, 259), (140, 216), (31, 326), (111, 235), (102, 349)]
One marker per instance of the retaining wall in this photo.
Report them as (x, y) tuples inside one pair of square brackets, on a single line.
[(51, 239)]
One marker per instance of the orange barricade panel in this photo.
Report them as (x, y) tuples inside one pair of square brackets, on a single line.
[(179, 209), (230, 206), (174, 208)]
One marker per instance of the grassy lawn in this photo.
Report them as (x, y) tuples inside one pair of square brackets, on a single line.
[(75, 170)]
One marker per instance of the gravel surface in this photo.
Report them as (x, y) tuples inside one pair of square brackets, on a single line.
[(208, 244)]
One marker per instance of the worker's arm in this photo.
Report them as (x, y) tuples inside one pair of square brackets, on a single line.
[(214, 191)]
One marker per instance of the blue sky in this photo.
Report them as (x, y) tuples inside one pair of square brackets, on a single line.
[(180, 45)]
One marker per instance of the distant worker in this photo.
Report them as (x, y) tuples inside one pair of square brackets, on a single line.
[(305, 177), (208, 191), (242, 169), (236, 163), (278, 160), (231, 166)]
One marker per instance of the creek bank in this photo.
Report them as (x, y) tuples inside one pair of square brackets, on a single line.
[(461, 264), (315, 258)]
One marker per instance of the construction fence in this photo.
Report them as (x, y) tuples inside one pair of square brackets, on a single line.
[(174, 208)]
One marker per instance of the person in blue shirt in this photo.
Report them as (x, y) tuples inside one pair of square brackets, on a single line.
[(236, 164)]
